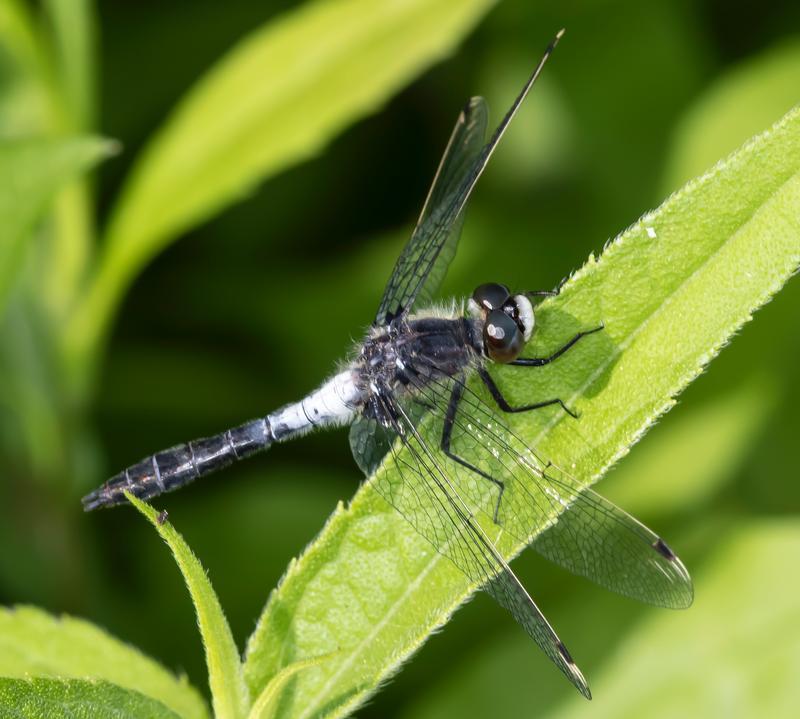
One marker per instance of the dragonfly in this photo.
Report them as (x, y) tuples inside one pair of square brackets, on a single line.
[(453, 466)]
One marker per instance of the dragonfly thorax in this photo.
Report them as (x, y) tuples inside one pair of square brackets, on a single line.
[(409, 354)]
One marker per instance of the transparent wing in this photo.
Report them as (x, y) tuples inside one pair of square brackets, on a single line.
[(533, 500), (418, 486), (423, 263), (424, 260)]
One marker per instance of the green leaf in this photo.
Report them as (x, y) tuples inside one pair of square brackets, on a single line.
[(73, 76), (229, 693), (34, 643), (26, 100), (737, 653), (266, 706), (743, 102), (73, 32), (671, 290), (273, 101), (76, 699), (30, 173), (708, 444)]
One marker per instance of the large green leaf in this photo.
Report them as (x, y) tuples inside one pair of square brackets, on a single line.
[(228, 692), (672, 289), (275, 100), (76, 699), (34, 643), (30, 173)]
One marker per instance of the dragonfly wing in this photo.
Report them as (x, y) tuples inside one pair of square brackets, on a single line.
[(417, 485), (598, 540), (535, 501), (422, 265), (369, 443), (424, 260)]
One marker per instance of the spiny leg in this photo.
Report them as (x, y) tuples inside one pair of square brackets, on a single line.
[(539, 361), (447, 435), (542, 293), (502, 402), (547, 293)]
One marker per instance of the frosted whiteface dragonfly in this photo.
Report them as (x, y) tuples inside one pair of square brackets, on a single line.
[(454, 465)]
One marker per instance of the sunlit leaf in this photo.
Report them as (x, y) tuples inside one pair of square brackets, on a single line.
[(34, 643), (266, 705), (273, 101), (671, 290), (26, 102), (72, 25), (76, 699), (228, 691)]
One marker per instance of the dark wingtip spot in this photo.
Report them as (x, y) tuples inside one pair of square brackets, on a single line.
[(663, 549), (562, 650)]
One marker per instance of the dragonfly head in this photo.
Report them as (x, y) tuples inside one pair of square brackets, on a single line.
[(508, 320)]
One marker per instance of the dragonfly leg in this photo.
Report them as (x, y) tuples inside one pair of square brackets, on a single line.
[(447, 435), (539, 361), (547, 293), (543, 293), (503, 404)]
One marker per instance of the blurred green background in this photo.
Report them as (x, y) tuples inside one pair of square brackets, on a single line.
[(253, 308)]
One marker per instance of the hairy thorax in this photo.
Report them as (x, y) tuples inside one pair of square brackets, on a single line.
[(411, 352)]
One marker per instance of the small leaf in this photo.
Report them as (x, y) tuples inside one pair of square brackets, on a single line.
[(229, 693), (671, 290), (273, 101), (34, 643), (76, 699), (266, 706), (30, 173)]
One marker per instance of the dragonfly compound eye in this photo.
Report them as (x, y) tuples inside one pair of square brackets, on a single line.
[(502, 337), (491, 296)]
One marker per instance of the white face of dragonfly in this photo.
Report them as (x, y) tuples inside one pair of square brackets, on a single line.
[(508, 320)]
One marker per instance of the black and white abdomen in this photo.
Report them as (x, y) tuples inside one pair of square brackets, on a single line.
[(333, 403)]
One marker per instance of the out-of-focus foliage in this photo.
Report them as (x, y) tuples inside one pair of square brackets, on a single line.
[(31, 170), (252, 308), (725, 627), (738, 582), (275, 100)]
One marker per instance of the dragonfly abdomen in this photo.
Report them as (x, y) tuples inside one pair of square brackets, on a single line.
[(332, 403), (175, 467)]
